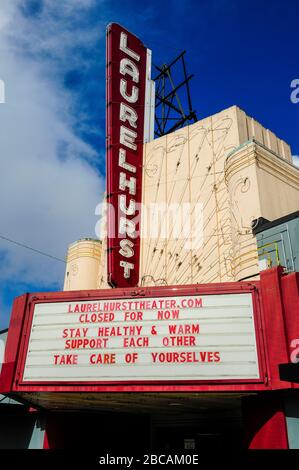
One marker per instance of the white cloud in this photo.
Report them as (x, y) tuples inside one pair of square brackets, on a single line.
[(295, 160), (58, 29), (46, 200)]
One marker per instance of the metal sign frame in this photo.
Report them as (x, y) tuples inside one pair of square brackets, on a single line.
[(20, 328)]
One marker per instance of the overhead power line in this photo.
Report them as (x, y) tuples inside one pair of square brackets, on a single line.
[(31, 249)]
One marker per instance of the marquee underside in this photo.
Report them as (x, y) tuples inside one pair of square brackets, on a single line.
[(180, 408)]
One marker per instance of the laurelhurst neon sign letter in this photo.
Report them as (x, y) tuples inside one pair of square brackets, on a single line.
[(127, 138), (125, 128)]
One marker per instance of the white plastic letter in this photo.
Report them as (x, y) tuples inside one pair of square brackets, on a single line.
[(127, 67), (127, 137), (123, 47), (127, 227), (123, 207), (122, 162), (133, 97), (126, 113), (124, 183), (127, 268), (126, 248)]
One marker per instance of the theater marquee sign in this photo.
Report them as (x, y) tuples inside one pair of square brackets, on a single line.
[(175, 338), (129, 91)]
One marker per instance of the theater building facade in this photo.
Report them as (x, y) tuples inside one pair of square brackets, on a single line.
[(188, 355)]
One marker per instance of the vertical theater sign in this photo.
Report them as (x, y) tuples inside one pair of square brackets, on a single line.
[(129, 93)]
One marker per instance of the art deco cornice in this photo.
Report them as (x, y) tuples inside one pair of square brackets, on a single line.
[(254, 153)]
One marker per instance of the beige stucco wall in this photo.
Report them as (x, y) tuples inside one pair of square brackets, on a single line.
[(237, 170), (260, 184), (195, 165)]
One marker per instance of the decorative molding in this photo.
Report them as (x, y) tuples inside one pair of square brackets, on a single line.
[(254, 153)]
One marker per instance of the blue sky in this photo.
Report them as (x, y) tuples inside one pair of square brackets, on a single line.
[(52, 126)]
